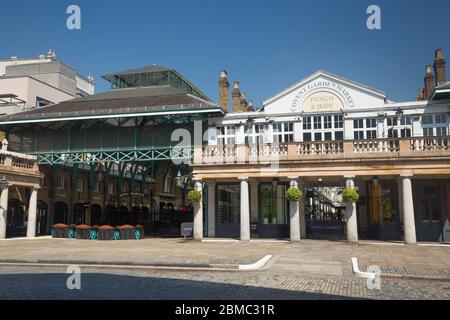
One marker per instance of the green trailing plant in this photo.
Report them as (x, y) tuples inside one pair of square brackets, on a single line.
[(350, 195), (294, 194), (194, 196)]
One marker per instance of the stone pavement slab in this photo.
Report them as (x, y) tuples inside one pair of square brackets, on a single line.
[(155, 252), (309, 257)]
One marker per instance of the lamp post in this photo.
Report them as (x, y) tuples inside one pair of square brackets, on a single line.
[(182, 183)]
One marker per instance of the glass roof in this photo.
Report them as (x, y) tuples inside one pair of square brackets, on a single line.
[(152, 76)]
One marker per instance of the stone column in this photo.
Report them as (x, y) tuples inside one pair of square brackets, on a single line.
[(408, 210), (352, 223), (211, 209), (32, 211), (245, 210), (400, 199), (198, 214), (3, 209), (294, 209)]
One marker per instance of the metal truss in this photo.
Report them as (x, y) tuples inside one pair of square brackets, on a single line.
[(136, 155)]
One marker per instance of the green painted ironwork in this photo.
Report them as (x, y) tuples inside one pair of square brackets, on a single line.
[(100, 156)]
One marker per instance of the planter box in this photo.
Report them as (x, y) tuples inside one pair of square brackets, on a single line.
[(60, 233), (83, 234), (71, 233), (139, 233), (105, 235), (127, 234)]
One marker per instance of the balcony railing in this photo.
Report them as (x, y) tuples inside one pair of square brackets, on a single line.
[(349, 149), (16, 162)]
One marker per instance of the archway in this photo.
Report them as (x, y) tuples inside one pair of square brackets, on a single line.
[(123, 215), (96, 215), (60, 213), (15, 220), (110, 214), (78, 213), (135, 215)]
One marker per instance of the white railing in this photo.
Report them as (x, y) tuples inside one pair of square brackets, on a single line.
[(351, 149), (376, 146), (430, 144), (320, 148)]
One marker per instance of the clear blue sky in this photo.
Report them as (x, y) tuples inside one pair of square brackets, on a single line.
[(266, 45)]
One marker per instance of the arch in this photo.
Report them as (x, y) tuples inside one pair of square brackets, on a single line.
[(96, 215), (123, 215), (110, 214), (136, 214), (60, 212), (15, 218), (78, 213)]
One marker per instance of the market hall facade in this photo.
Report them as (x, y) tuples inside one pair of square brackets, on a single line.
[(322, 134)]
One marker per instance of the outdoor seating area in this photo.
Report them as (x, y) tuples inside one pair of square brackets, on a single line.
[(103, 233)]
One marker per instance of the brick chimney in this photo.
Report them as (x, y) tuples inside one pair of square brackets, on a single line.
[(224, 91), (236, 94), (429, 82), (421, 96), (244, 103), (439, 68)]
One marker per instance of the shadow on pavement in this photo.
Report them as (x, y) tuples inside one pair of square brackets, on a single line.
[(52, 286)]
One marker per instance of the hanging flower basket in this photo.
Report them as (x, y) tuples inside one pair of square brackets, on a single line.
[(60, 231), (194, 196), (350, 195), (105, 233), (294, 194)]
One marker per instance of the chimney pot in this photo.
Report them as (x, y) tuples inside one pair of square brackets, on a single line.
[(223, 75)]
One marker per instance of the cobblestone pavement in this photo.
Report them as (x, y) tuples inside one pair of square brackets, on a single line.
[(19, 283)]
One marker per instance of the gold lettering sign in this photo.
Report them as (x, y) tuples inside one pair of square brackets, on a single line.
[(322, 101)]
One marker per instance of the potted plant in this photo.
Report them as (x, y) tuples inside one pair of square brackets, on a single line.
[(194, 196), (60, 231), (350, 195), (294, 194), (83, 232), (105, 233)]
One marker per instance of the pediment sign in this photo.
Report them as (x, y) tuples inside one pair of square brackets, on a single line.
[(322, 96)]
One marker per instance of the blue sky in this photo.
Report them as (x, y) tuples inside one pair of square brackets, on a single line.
[(266, 45)]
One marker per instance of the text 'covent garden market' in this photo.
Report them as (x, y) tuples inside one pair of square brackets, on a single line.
[(111, 159)]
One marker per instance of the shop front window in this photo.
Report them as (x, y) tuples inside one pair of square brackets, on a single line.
[(229, 204), (382, 203), (274, 205)]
